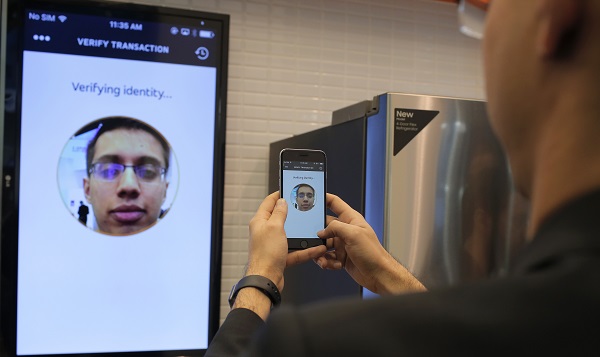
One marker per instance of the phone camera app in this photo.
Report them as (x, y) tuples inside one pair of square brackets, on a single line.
[(117, 176)]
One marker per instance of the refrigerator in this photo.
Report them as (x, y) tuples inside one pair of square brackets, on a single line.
[(430, 177)]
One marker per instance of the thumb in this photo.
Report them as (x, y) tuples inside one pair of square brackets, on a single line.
[(280, 211)]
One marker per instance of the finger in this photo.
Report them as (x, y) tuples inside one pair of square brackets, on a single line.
[(343, 210), (279, 212), (338, 254), (329, 262), (329, 219), (329, 243), (266, 207), (338, 229), (302, 256), (339, 246), (327, 255)]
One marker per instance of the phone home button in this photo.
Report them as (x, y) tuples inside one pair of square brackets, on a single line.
[(304, 244)]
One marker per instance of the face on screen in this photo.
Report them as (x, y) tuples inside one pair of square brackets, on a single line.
[(126, 183), (305, 197)]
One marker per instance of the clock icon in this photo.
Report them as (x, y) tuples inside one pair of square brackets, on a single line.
[(202, 53)]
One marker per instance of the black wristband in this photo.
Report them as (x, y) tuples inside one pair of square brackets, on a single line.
[(261, 283)]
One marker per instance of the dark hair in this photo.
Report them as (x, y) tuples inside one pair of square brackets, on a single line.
[(304, 185), (119, 122)]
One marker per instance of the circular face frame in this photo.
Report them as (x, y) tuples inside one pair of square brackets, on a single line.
[(294, 196), (73, 172)]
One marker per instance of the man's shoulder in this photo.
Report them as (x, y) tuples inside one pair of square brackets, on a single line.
[(502, 310)]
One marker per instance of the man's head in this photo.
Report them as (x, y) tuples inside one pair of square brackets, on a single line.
[(305, 197), (127, 163), (542, 60)]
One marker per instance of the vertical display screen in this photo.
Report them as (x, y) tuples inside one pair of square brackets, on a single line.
[(303, 186), (117, 175)]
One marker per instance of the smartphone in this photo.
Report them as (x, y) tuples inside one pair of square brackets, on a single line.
[(303, 184)]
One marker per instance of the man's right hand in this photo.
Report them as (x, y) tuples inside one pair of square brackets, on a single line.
[(357, 249)]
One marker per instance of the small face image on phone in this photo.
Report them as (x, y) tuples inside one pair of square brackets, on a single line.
[(303, 184), (304, 197)]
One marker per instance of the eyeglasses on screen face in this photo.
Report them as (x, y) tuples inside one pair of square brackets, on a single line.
[(471, 16), (110, 171), (308, 195)]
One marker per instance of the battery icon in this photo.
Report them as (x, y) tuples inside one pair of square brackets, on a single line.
[(206, 34)]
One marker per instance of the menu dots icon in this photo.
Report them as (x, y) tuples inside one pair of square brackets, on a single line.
[(42, 38)]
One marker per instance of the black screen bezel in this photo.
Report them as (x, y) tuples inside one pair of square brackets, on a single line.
[(11, 156), (291, 154)]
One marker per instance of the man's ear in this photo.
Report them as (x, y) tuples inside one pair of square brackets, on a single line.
[(86, 189), (559, 21)]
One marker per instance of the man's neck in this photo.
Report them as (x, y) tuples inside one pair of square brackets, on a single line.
[(567, 159)]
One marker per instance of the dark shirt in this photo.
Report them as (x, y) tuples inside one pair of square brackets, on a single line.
[(549, 304)]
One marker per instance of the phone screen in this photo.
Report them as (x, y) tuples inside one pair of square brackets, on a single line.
[(114, 242), (303, 179)]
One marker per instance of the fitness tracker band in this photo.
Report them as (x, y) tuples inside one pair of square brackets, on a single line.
[(261, 283)]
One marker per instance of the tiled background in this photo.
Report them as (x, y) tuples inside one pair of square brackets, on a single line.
[(292, 62)]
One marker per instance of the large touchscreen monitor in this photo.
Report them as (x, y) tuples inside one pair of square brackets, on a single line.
[(112, 178)]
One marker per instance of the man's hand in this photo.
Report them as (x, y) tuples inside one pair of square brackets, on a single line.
[(357, 249), (267, 247), (268, 253)]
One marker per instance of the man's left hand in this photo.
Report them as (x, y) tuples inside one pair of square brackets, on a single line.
[(268, 250)]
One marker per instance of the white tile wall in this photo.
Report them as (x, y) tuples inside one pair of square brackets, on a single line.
[(292, 62)]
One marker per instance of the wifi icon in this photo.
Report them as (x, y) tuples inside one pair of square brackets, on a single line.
[(62, 18)]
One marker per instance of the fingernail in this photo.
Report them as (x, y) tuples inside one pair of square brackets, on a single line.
[(337, 265), (281, 202)]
